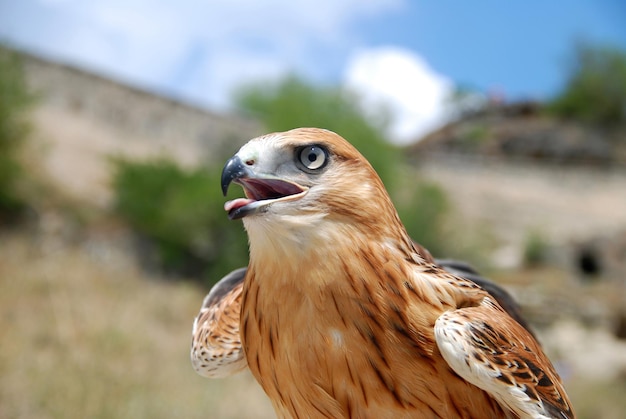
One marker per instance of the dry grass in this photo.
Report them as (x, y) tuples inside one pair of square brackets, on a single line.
[(87, 337)]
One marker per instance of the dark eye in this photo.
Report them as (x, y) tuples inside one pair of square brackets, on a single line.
[(312, 157)]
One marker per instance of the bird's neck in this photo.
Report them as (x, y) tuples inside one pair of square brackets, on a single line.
[(323, 243)]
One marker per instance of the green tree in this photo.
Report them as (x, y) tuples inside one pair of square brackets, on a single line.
[(595, 90), (181, 213), (15, 100)]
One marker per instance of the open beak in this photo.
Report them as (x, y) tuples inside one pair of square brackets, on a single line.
[(260, 190)]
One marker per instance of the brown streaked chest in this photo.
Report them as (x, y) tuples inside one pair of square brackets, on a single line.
[(352, 349)]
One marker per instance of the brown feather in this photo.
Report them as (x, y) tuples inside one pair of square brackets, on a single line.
[(216, 349)]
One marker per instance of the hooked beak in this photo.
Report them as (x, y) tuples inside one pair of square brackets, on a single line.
[(261, 190)]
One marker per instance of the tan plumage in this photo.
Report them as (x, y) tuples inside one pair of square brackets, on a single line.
[(216, 349), (343, 316)]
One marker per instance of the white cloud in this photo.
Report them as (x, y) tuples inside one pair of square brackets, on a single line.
[(402, 81), (199, 49)]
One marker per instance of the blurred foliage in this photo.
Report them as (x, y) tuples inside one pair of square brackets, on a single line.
[(181, 213), (15, 100), (595, 91), (293, 103), (424, 209), (535, 250)]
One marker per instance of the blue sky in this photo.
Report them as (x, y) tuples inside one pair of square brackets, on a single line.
[(410, 54), (521, 47)]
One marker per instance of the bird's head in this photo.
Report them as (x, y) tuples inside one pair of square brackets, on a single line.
[(305, 184)]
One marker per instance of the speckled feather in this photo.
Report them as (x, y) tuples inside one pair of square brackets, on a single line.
[(216, 349)]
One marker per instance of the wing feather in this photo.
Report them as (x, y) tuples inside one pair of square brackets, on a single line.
[(490, 350), (216, 349)]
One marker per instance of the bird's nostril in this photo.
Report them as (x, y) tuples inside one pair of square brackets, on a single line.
[(249, 162)]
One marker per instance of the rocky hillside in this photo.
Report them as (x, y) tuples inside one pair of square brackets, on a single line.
[(520, 171), (525, 131)]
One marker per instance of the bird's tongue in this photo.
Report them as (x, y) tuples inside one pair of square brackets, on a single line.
[(259, 191), (237, 203)]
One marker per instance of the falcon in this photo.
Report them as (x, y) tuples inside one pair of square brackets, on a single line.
[(341, 314)]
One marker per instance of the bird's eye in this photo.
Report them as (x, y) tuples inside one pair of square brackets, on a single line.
[(312, 157)]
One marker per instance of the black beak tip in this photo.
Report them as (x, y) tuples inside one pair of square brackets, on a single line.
[(234, 169)]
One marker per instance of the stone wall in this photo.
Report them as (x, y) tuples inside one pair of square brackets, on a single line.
[(134, 114)]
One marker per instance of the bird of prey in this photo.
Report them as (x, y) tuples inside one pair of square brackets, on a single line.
[(341, 314)]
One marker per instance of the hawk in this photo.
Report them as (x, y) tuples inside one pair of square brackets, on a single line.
[(340, 314)]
